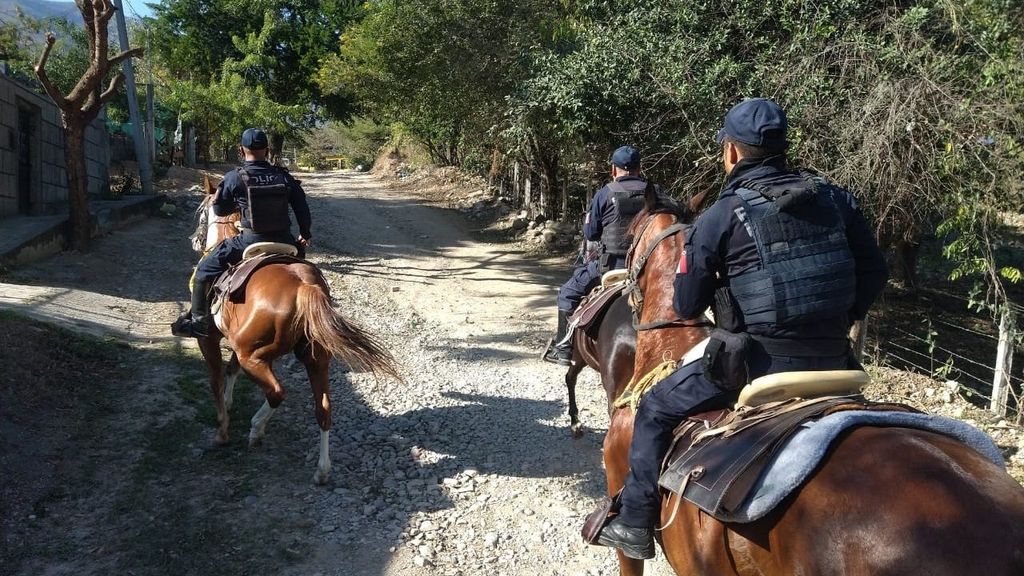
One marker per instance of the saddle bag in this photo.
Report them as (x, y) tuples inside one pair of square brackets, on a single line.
[(725, 359), (598, 519)]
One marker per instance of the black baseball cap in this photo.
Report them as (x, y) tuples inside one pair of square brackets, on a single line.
[(254, 139), (626, 157), (757, 122)]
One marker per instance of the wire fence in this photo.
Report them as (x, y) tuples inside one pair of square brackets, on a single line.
[(975, 352)]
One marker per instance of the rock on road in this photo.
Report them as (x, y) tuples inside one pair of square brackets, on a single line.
[(467, 468)]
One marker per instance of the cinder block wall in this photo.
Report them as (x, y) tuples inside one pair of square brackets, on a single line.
[(49, 179)]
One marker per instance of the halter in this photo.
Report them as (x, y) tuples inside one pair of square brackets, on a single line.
[(636, 296)]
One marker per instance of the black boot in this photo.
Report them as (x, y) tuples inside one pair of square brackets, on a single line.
[(636, 543), (559, 352), (196, 325)]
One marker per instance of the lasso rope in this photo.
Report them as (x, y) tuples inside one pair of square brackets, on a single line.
[(636, 389)]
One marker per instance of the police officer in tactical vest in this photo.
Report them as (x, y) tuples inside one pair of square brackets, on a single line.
[(611, 211), (262, 193), (787, 262)]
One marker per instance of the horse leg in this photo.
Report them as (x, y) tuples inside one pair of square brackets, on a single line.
[(210, 348), (318, 364), (616, 468), (231, 376), (263, 374), (570, 382)]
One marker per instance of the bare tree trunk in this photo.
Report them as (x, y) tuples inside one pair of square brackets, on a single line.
[(82, 104), (78, 184)]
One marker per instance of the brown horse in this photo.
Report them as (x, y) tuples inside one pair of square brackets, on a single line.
[(887, 501), (287, 309), (608, 347)]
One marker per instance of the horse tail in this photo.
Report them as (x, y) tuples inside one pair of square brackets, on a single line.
[(321, 323)]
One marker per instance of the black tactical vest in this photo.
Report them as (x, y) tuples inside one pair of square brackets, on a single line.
[(267, 196), (807, 271), (628, 201)]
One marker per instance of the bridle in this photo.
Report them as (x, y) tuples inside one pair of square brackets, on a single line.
[(636, 268)]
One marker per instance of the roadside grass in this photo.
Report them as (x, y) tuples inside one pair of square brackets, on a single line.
[(153, 496), (54, 393)]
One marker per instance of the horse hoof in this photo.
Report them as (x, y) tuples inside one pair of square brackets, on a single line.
[(255, 441), (220, 438), (320, 477), (577, 430)]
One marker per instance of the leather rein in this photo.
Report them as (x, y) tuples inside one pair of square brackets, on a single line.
[(636, 268)]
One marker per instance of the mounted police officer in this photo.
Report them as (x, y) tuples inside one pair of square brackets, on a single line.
[(262, 193), (611, 210), (788, 263)]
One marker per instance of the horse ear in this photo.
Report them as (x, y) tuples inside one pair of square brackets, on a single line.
[(208, 184), (697, 201), (651, 197)]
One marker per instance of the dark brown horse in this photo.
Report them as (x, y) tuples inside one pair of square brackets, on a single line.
[(608, 347), (886, 501), (287, 309)]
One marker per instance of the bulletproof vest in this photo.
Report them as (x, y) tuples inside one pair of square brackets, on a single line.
[(267, 195), (628, 199), (807, 271)]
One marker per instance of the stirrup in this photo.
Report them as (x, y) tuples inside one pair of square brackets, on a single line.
[(550, 354), (186, 327)]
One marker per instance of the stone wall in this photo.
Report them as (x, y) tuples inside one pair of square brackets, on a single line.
[(48, 177)]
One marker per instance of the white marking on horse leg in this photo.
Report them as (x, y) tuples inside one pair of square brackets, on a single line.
[(323, 466), (259, 423), (229, 388)]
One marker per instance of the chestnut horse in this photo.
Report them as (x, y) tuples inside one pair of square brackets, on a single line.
[(287, 309), (608, 347), (890, 501)]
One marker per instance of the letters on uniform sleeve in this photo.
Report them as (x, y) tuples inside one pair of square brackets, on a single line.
[(592, 227), (695, 280)]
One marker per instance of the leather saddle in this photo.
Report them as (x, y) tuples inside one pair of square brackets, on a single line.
[(231, 284), (717, 457), (595, 303)]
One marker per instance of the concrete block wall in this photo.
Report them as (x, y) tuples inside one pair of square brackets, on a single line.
[(49, 178), (8, 151)]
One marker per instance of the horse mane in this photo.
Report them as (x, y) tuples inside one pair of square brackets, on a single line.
[(657, 203)]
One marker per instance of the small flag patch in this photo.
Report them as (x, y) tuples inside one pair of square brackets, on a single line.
[(682, 264)]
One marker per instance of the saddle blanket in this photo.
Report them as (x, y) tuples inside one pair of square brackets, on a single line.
[(800, 455)]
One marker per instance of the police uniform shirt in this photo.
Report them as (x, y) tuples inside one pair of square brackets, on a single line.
[(232, 197), (719, 246), (603, 211)]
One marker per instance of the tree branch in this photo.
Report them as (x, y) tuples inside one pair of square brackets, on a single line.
[(112, 88), (122, 56), (44, 78)]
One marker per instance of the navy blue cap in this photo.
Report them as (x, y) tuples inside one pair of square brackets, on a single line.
[(757, 122), (627, 158), (254, 139)]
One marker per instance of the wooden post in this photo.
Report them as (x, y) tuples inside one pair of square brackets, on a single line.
[(858, 335), (1004, 363)]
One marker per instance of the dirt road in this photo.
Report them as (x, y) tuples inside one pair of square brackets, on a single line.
[(467, 469)]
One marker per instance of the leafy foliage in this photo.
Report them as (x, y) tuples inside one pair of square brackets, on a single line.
[(918, 107)]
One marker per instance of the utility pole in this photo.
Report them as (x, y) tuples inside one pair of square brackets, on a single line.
[(141, 152)]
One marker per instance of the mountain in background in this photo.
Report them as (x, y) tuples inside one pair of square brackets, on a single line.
[(39, 9)]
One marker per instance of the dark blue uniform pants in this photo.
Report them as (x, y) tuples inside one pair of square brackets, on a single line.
[(684, 393), (584, 279), (230, 252)]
